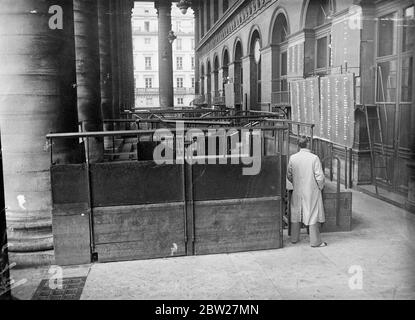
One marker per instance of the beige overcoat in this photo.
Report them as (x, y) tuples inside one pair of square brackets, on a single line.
[(306, 175)]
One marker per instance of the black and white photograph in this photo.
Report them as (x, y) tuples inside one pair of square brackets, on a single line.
[(207, 156)]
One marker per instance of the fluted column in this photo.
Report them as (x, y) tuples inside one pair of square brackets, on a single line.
[(105, 64), (120, 53), (114, 60), (206, 16), (197, 39), (129, 54), (88, 72), (165, 54), (124, 62), (37, 96)]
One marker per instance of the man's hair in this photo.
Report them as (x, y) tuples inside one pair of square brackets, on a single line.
[(303, 142)]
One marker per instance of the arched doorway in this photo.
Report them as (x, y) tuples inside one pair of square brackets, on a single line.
[(238, 75), (279, 60), (318, 47), (255, 71)]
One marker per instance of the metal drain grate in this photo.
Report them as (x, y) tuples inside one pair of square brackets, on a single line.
[(71, 290)]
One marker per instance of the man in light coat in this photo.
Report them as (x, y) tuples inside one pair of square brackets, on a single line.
[(307, 177)]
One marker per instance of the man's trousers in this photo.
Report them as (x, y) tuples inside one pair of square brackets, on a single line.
[(315, 237)]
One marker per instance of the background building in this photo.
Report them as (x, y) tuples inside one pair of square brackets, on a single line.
[(145, 40), (263, 46)]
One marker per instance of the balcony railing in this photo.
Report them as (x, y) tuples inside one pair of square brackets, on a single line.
[(183, 91), (146, 90)]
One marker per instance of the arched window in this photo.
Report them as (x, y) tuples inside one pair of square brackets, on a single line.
[(318, 24), (279, 60)]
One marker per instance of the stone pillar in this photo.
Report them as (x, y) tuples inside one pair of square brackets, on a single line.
[(88, 72), (130, 55), (114, 61), (206, 17), (197, 39), (220, 9), (124, 45), (120, 53), (105, 64), (266, 74), (37, 96), (361, 149), (212, 13), (4, 257), (165, 55)]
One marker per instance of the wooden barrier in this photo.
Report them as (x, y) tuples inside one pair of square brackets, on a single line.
[(140, 210)]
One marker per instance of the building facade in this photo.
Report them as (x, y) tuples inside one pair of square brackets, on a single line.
[(146, 65), (262, 46)]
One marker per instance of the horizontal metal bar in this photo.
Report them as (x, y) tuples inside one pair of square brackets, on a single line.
[(305, 124), (134, 133)]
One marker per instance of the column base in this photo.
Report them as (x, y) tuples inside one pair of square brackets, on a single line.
[(32, 259)]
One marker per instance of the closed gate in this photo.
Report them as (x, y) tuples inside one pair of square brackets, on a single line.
[(140, 210)]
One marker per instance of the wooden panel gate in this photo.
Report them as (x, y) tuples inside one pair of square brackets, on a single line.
[(140, 210)]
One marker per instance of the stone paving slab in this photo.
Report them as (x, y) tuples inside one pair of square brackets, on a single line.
[(382, 244)]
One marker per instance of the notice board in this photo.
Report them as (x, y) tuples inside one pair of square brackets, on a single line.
[(337, 109), (305, 103)]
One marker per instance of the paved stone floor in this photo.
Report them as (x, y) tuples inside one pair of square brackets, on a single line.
[(382, 245)]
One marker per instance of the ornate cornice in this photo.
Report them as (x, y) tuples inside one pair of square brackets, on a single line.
[(241, 13)]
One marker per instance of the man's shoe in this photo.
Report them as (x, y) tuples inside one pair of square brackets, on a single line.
[(323, 244)]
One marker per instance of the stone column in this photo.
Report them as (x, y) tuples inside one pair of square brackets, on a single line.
[(212, 13), (4, 257), (114, 61), (88, 72), (220, 9), (37, 96), (120, 53), (130, 55), (124, 56), (206, 17), (361, 148), (165, 55), (197, 39), (105, 64)]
